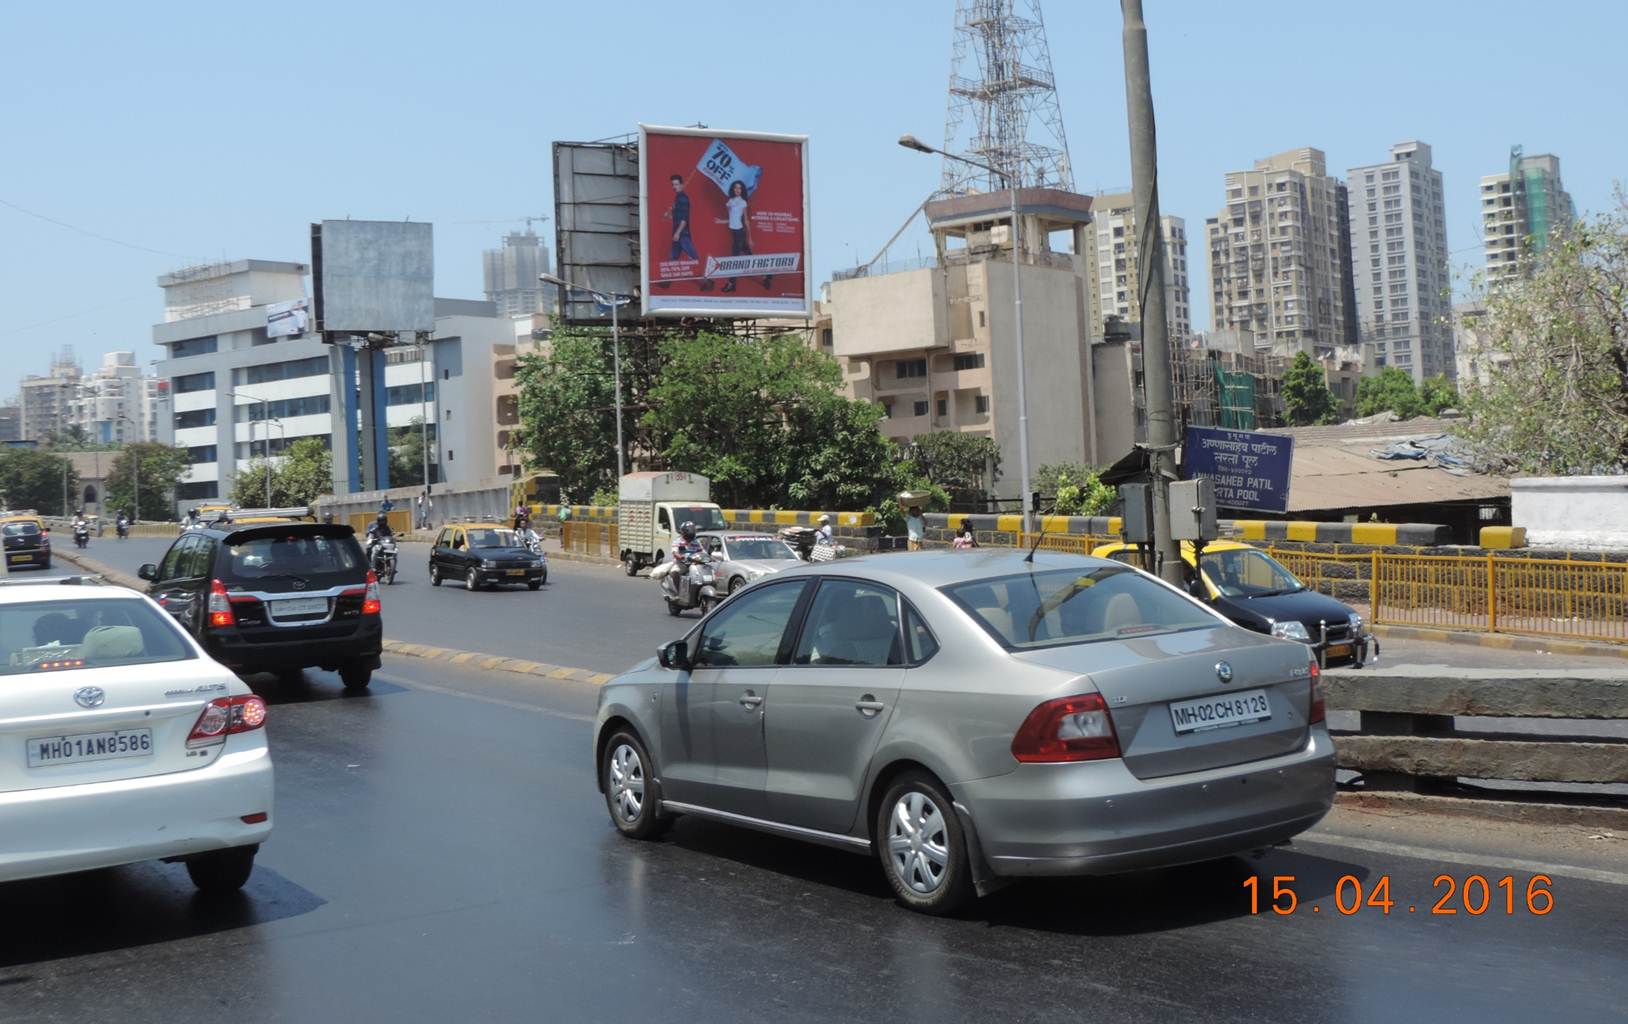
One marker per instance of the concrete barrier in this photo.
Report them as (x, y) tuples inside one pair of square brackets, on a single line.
[(1410, 740)]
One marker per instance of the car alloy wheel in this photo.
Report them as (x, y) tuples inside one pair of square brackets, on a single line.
[(918, 842), (472, 580), (625, 784)]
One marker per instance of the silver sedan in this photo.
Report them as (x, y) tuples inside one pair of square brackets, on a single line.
[(743, 558), (971, 717)]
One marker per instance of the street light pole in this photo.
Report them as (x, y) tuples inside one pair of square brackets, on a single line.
[(1011, 178), (616, 356)]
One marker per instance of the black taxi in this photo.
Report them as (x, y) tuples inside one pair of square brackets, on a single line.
[(485, 554)]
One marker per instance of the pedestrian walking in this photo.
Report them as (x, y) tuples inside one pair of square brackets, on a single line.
[(915, 528)]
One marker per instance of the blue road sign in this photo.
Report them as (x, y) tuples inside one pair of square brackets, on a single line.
[(1250, 470)]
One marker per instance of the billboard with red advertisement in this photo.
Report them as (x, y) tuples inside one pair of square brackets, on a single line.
[(725, 222)]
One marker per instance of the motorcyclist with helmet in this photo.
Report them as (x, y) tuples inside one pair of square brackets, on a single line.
[(377, 531)]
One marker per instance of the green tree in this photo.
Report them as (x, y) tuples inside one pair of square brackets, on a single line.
[(567, 403), (38, 479), (407, 453), (1075, 489), (963, 464), (160, 467), (304, 473), (1306, 397), (1391, 389), (766, 421), (1438, 394), (1557, 399)]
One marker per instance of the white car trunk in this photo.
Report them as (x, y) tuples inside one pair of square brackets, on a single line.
[(139, 728)]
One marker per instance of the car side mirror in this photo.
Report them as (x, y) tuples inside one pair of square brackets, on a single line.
[(675, 655), (148, 571)]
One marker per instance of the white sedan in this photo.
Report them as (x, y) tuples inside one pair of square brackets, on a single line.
[(121, 741)]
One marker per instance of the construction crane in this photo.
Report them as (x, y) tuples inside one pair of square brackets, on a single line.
[(506, 220)]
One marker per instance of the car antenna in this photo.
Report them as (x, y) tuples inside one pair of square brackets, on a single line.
[(1040, 535)]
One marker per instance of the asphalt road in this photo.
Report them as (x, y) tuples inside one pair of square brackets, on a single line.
[(586, 616), (591, 616), (441, 853)]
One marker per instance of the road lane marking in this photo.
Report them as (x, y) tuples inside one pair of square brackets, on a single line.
[(413, 684), (1457, 857)]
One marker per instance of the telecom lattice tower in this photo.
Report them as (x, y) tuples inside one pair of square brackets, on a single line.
[(1003, 106)]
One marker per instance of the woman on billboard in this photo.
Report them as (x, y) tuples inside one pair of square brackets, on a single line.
[(740, 228)]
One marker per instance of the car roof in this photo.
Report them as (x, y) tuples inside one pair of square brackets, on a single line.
[(737, 534), (484, 526), (946, 567), (52, 589)]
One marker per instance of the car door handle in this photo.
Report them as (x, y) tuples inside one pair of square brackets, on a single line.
[(868, 706), (750, 699)]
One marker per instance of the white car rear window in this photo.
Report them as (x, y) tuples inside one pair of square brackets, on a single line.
[(54, 636)]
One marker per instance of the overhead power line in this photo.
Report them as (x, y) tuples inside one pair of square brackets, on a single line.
[(92, 234)]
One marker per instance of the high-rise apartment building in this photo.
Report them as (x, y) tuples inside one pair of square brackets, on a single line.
[(47, 404), (1399, 263), (511, 275), (11, 422), (1280, 257), (1521, 209), (115, 402), (1112, 262)]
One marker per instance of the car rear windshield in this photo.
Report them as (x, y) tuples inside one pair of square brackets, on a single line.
[(56, 636), (293, 556), (1073, 606), (20, 529), (493, 539), (759, 549)]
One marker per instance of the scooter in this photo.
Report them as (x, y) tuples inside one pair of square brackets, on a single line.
[(694, 585), (122, 528), (384, 559), (81, 535)]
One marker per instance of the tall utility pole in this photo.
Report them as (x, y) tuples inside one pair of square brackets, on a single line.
[(1161, 441)]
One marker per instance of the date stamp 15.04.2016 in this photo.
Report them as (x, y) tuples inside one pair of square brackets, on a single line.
[(1472, 895)]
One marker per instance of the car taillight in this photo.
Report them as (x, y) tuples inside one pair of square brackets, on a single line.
[(1319, 711), (370, 598), (1067, 729), (224, 716), (220, 606)]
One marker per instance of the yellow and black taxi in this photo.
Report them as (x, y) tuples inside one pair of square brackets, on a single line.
[(1254, 590), (26, 539), (485, 554)]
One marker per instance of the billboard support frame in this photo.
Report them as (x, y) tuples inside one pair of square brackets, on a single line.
[(645, 255)]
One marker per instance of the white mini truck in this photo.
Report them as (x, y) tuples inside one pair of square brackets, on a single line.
[(122, 741)]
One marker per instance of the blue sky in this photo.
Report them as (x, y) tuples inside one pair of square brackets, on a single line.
[(208, 131)]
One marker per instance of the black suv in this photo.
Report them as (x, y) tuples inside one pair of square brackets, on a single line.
[(275, 597)]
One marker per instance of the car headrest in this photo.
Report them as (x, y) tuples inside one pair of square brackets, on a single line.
[(112, 642)]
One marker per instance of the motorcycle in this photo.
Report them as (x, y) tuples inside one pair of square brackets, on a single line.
[(122, 528), (690, 585), (383, 554), (81, 535)]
